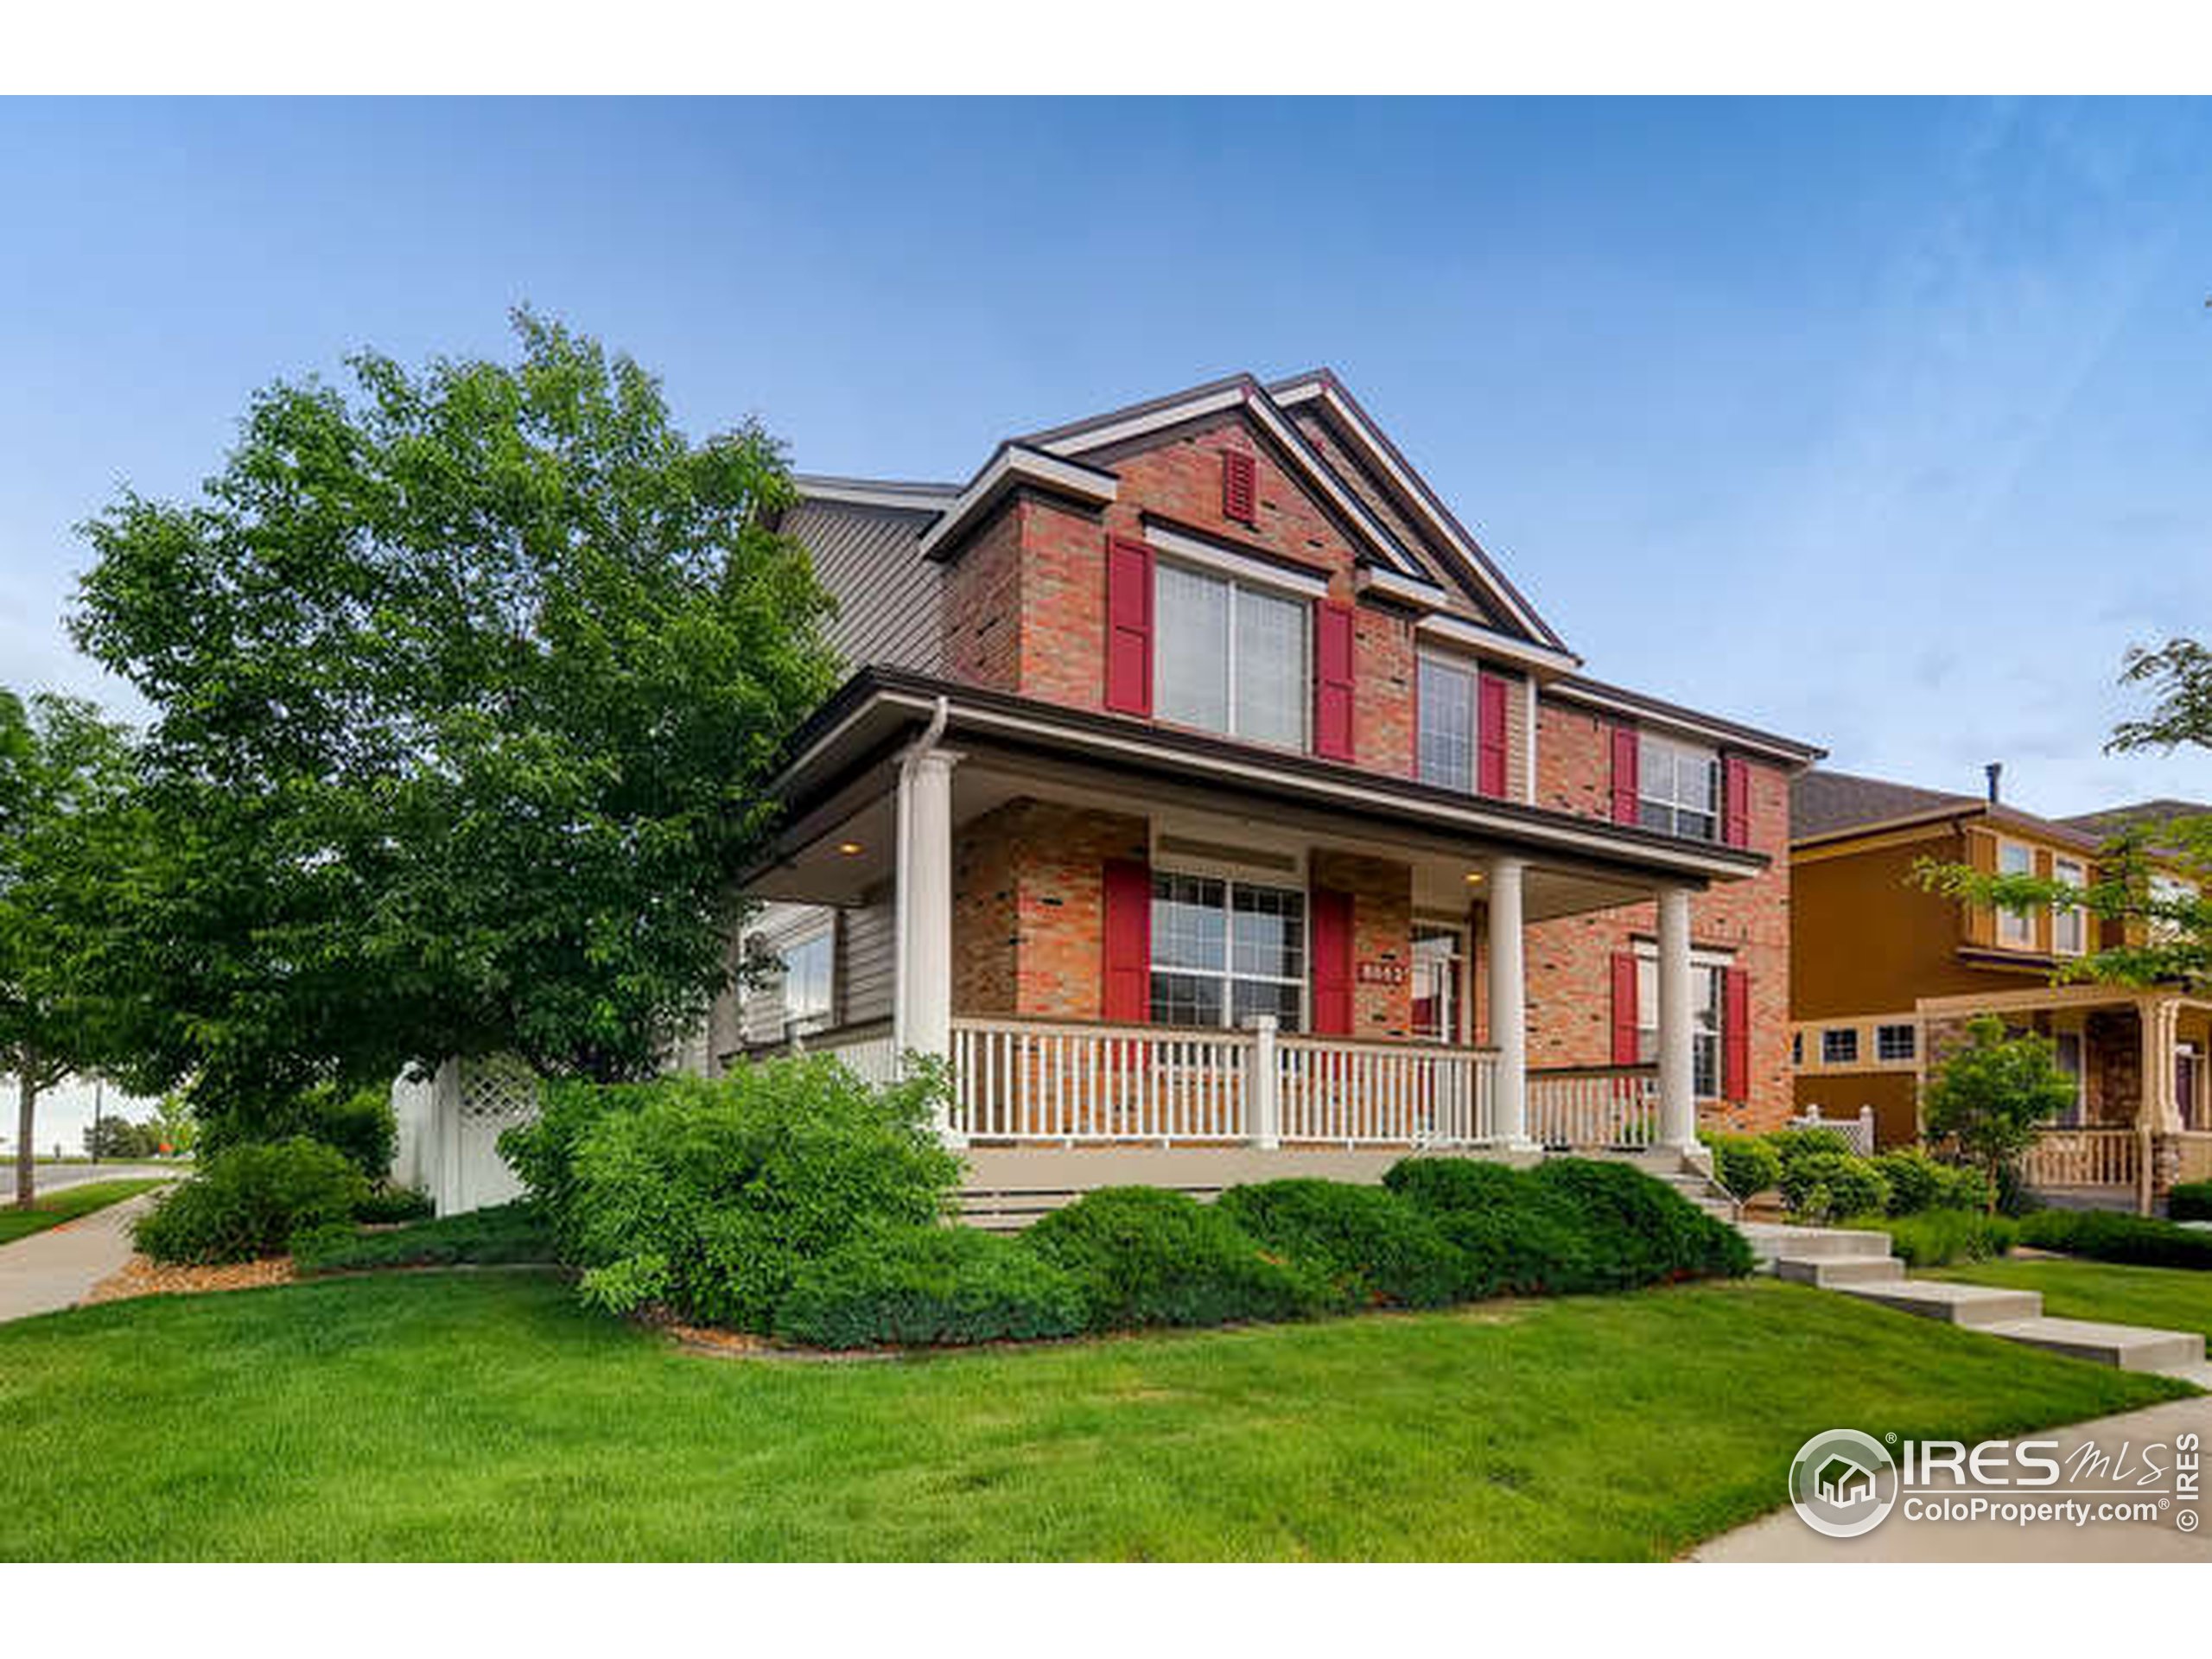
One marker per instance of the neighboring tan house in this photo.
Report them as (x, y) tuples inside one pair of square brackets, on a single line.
[(1217, 807), (1885, 974)]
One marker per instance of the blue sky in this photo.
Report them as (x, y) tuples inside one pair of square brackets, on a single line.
[(1883, 424)]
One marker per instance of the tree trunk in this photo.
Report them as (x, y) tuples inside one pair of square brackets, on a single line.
[(26, 1172)]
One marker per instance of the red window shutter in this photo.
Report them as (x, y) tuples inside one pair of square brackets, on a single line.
[(1736, 803), (1128, 626), (1239, 486), (1489, 736), (1332, 681), (1624, 774), (1623, 1007), (1126, 992), (1735, 1034), (1331, 946)]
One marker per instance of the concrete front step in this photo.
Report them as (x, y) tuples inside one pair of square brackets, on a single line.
[(1839, 1272), (1773, 1240), (2130, 1347), (1978, 1307)]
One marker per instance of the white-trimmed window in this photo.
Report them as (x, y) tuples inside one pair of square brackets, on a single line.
[(1896, 1041), (1448, 716), (2016, 928), (2069, 924), (1677, 787), (1437, 978), (1223, 950), (1707, 999), (1840, 1046), (2066, 1056), (2168, 890), (810, 965), (1230, 658)]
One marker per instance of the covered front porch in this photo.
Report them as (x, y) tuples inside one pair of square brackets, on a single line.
[(1127, 963)]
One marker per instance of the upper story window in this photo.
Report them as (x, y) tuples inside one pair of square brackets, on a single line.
[(1231, 657), (1840, 1046), (808, 968), (1446, 692), (1678, 787), (2167, 890), (2069, 924), (1223, 950), (1895, 1042), (2016, 928)]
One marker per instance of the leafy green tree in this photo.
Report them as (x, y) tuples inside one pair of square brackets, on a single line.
[(1987, 1098), (467, 686), (67, 849), (174, 1125)]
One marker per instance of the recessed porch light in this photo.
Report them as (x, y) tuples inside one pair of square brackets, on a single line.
[(1474, 875), (850, 848)]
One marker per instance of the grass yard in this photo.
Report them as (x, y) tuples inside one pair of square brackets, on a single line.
[(2172, 1299), (67, 1204), (472, 1416)]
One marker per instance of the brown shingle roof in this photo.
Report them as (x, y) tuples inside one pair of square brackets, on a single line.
[(1822, 802), (2111, 820)]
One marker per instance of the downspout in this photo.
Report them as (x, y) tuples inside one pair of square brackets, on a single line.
[(914, 751)]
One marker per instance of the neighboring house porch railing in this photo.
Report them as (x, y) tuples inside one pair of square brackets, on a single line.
[(2079, 1157)]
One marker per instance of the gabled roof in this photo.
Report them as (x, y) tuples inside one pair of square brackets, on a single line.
[(1824, 803), (2109, 821)]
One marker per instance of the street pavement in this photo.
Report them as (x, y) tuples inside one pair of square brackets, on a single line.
[(52, 1178)]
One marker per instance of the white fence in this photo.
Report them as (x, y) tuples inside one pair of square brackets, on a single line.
[(1597, 1107), (1860, 1130)]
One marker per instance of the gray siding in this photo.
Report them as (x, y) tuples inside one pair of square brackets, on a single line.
[(888, 596), (860, 976), (864, 963)]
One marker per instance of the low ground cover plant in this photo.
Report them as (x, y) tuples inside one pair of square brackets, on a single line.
[(930, 1286), (1942, 1239), (2191, 1201), (1143, 1256), (502, 1235), (249, 1200), (389, 1205), (2109, 1235), (1369, 1245)]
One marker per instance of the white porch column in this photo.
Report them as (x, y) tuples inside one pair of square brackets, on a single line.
[(1261, 1084), (923, 996), (1677, 1080), (1509, 1006)]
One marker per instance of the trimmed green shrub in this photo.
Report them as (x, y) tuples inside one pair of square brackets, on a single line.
[(1144, 1256), (1792, 1144), (395, 1204), (249, 1200), (1745, 1164), (1919, 1183), (2191, 1201), (1447, 1184), (709, 1195), (1367, 1244), (1640, 1231), (2110, 1236), (1831, 1186), (1936, 1238), (504, 1236), (928, 1286)]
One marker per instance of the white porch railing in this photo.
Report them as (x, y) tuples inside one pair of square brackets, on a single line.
[(870, 1057), (2083, 1158), (1596, 1107), (1029, 1081)]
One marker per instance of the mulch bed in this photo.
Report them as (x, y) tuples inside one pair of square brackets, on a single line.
[(143, 1277)]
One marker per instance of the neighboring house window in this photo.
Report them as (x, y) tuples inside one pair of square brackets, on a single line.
[(808, 967), (2069, 924), (1436, 984), (1678, 788), (1840, 1046), (2014, 927), (1796, 1048), (1706, 998), (1230, 658), (1446, 695), (2066, 1055), (1897, 1042), (2169, 890), (1223, 951)]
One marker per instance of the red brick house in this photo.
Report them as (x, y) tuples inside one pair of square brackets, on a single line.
[(1209, 797)]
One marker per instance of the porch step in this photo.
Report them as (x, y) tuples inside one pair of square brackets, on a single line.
[(1839, 1272), (2130, 1347), (1978, 1307)]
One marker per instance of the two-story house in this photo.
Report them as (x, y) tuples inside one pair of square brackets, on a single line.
[(1885, 974), (1216, 807)]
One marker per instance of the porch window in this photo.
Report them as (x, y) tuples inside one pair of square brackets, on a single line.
[(1706, 996), (1223, 950), (808, 966), (1231, 657), (2070, 922), (1447, 724), (2016, 928), (2066, 1055), (1677, 787)]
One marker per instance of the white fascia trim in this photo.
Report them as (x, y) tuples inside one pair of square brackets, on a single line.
[(1380, 456), (1424, 594), (1016, 464), (874, 495), (1292, 440), (1189, 550), (1690, 727), (1490, 643)]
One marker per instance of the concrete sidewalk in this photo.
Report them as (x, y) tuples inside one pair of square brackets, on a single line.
[(55, 1268), (1783, 1537)]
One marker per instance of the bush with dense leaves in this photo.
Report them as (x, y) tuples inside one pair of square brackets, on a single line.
[(1791, 1144), (2110, 1236), (504, 1235), (1936, 1238), (1918, 1183), (1367, 1244), (1745, 1164), (931, 1285), (1831, 1185), (707, 1195), (249, 1200), (357, 1122), (2191, 1201), (1141, 1256), (1640, 1231), (390, 1204)]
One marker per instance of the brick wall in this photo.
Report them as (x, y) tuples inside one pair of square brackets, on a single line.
[(1382, 931), (1028, 925)]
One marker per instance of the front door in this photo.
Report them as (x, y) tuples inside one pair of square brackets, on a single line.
[(1436, 984)]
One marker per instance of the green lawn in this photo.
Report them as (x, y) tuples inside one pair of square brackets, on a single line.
[(2171, 1299), (67, 1204), (486, 1416)]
